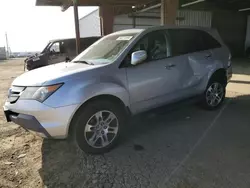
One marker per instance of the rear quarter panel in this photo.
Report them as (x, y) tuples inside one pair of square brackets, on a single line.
[(203, 71)]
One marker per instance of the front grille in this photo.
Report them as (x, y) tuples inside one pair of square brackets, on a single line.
[(14, 93)]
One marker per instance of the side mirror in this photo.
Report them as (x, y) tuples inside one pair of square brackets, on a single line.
[(67, 59), (138, 57)]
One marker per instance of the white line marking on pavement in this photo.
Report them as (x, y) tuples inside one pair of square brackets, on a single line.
[(166, 180)]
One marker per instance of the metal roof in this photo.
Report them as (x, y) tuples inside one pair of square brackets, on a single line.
[(225, 4), (125, 6), (231, 4)]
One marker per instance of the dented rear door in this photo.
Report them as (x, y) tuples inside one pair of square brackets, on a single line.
[(193, 59)]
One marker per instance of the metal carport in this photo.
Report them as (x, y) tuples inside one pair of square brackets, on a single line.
[(110, 8)]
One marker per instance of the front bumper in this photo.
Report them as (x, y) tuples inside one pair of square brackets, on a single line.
[(28, 122), (35, 116)]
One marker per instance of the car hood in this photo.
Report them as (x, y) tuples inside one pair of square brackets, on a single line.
[(52, 74)]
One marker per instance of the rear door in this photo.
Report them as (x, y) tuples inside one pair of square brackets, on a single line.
[(193, 58)]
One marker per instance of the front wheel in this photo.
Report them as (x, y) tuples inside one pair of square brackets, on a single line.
[(98, 127), (214, 95)]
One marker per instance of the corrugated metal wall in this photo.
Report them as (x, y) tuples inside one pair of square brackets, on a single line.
[(122, 22), (152, 18), (90, 25), (194, 18), (231, 25)]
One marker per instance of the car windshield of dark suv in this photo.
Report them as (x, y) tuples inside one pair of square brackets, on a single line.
[(105, 50), (47, 47)]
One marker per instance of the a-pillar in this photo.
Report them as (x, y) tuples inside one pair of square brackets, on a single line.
[(169, 10), (107, 19)]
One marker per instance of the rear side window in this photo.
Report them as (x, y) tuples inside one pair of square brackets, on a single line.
[(209, 41), (184, 41)]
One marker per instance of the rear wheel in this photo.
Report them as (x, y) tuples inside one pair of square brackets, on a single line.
[(214, 95), (98, 126)]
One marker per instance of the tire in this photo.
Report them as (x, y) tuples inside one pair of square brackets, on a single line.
[(213, 98), (98, 136)]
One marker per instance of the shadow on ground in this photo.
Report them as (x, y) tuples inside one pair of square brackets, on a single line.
[(154, 146), (222, 159)]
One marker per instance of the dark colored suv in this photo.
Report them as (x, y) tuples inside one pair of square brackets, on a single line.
[(57, 51)]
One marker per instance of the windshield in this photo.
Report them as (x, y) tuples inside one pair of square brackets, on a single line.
[(46, 48), (106, 50)]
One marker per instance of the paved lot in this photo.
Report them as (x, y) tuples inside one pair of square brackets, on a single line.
[(184, 148)]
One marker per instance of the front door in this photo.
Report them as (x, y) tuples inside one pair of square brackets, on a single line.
[(56, 53), (154, 82)]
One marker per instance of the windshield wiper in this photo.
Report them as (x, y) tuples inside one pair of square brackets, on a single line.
[(84, 62)]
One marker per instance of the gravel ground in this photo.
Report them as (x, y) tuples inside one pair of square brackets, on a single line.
[(183, 148)]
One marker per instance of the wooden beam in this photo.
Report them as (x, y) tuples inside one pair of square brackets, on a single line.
[(112, 2), (93, 2), (169, 10), (107, 19)]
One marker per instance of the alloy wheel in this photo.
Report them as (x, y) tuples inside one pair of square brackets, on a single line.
[(214, 94), (101, 129)]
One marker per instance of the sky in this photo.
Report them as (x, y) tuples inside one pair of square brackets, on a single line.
[(29, 28)]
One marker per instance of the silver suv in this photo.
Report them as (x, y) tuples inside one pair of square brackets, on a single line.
[(122, 74)]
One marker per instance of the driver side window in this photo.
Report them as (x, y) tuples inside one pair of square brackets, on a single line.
[(158, 46), (155, 44), (55, 48), (142, 45)]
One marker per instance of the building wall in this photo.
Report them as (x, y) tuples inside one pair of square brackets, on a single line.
[(2, 53), (152, 18), (231, 26), (194, 18), (90, 25), (232, 29)]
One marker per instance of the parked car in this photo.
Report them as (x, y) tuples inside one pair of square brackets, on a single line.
[(57, 51), (122, 74)]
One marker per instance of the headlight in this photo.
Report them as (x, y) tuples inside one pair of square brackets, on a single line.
[(39, 93)]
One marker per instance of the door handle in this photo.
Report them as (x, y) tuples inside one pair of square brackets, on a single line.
[(169, 66)]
